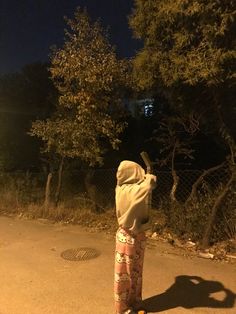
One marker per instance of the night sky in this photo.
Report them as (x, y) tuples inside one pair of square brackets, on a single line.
[(28, 28)]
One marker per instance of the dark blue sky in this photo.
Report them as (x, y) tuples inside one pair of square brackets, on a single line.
[(28, 28)]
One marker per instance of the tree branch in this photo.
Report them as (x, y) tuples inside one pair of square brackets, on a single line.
[(200, 179)]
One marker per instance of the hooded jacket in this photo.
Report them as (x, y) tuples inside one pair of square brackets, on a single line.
[(132, 190)]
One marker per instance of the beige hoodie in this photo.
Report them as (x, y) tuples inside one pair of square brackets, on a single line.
[(132, 190)]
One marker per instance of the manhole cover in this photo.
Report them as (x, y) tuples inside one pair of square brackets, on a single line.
[(80, 254)]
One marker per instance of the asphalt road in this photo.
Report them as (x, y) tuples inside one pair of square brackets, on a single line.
[(35, 279)]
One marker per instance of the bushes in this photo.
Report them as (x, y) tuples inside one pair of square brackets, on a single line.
[(18, 190), (188, 220), (23, 193), (225, 226)]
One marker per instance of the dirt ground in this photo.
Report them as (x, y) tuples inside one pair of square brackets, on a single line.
[(35, 279)]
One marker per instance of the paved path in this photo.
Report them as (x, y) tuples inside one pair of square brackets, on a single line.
[(34, 279)]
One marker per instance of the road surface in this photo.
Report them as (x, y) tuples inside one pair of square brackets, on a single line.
[(35, 279)]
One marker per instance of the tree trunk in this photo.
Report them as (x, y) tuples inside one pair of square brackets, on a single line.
[(92, 192), (58, 189), (174, 186), (211, 219), (196, 184), (174, 176), (223, 128), (47, 192), (229, 140)]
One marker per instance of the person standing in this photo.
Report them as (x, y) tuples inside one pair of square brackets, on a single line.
[(132, 191)]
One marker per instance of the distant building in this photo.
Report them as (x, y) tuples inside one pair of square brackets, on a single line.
[(140, 107)]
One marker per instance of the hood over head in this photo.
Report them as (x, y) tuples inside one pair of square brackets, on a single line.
[(129, 172)]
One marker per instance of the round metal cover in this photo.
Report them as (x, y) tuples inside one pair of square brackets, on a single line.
[(80, 254)]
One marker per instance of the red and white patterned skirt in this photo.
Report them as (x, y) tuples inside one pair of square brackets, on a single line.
[(129, 258)]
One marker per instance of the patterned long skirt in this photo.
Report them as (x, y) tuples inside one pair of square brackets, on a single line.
[(129, 258)]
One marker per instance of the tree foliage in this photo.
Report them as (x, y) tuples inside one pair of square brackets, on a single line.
[(189, 55), (188, 42), (90, 80)]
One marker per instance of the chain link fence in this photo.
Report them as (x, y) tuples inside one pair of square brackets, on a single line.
[(96, 187), (84, 193)]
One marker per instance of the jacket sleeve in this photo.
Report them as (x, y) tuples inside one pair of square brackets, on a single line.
[(146, 186), (149, 182)]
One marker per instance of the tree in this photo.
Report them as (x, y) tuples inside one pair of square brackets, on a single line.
[(90, 79), (187, 42), (189, 56), (175, 134), (91, 82)]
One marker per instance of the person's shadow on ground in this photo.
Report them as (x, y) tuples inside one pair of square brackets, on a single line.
[(190, 292)]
